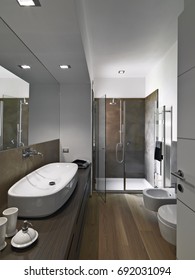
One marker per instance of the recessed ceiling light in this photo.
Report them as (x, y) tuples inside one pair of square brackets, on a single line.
[(24, 66), (29, 3), (121, 71), (65, 66)]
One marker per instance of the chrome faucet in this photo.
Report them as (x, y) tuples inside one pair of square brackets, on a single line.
[(28, 152)]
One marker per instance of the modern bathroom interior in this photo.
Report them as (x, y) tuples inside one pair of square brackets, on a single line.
[(107, 116)]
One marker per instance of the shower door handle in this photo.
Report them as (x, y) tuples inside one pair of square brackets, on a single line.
[(117, 148), (128, 143)]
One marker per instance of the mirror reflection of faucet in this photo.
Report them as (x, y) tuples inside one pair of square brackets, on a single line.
[(28, 152)]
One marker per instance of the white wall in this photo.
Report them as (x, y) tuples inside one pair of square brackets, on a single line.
[(164, 78), (119, 87), (75, 121), (44, 115)]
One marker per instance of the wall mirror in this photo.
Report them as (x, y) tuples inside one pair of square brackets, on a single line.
[(15, 87)]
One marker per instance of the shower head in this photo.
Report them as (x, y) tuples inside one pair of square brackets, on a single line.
[(112, 102), (24, 102)]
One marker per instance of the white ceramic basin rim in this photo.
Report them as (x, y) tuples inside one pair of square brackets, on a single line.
[(45, 190)]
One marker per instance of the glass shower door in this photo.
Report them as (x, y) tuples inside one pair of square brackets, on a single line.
[(100, 146), (120, 144), (115, 148), (125, 144)]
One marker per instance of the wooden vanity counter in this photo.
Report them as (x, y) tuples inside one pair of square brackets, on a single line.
[(60, 233)]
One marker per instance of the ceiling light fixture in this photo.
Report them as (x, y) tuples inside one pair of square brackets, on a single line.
[(24, 66), (29, 3), (121, 71), (65, 66)]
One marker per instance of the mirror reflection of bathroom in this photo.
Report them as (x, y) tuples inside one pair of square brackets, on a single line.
[(14, 110), (14, 122)]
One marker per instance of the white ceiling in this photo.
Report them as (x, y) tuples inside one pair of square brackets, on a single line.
[(129, 34), (116, 34)]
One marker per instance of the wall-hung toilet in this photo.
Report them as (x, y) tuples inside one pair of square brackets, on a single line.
[(167, 220)]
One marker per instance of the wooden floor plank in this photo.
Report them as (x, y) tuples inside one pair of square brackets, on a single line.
[(122, 228), (144, 218), (157, 247)]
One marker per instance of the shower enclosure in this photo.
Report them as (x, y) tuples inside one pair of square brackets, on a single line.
[(120, 144)]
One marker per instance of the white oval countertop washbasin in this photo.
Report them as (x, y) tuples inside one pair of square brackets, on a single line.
[(155, 197), (43, 191)]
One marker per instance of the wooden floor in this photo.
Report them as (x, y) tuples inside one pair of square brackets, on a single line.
[(122, 228)]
